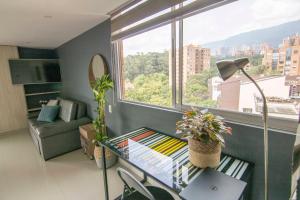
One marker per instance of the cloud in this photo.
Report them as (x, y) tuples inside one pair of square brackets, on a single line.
[(219, 23), (274, 12), (157, 40)]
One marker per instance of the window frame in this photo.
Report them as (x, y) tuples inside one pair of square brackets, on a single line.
[(288, 125)]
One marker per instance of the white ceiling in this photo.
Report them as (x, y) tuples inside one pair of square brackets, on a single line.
[(50, 23)]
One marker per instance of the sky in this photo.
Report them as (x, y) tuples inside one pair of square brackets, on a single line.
[(218, 24)]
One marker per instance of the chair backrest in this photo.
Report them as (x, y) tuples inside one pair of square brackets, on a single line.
[(131, 182)]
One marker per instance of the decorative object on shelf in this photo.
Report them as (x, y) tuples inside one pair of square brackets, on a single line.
[(227, 68), (43, 102), (204, 131), (100, 83)]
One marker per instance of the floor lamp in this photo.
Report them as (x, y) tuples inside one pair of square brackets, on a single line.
[(226, 69)]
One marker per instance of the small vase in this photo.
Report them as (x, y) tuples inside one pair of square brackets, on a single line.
[(111, 158), (204, 155)]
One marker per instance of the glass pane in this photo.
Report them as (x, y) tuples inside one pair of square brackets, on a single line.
[(166, 158), (262, 31), (146, 67)]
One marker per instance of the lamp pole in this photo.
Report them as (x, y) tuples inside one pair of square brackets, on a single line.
[(266, 139)]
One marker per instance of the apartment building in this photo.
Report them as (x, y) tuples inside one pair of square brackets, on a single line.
[(195, 59), (286, 58), (280, 93)]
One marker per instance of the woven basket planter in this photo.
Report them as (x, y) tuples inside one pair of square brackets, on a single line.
[(204, 155), (111, 158)]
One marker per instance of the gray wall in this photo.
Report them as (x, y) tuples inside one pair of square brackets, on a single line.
[(246, 142)]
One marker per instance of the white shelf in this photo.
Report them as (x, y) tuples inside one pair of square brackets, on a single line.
[(40, 83), (42, 93), (34, 109)]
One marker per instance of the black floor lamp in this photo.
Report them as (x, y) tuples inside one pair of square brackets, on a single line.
[(226, 69)]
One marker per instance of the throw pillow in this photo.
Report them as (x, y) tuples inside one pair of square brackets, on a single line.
[(67, 110), (48, 113), (52, 102)]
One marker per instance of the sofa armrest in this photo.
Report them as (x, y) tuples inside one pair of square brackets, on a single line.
[(61, 127)]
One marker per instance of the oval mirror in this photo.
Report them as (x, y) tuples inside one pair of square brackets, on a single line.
[(97, 68)]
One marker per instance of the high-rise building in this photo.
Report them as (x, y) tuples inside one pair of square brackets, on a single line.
[(285, 59), (290, 55), (195, 59), (270, 59)]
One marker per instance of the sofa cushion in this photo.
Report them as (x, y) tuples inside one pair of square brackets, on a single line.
[(48, 113), (67, 110), (52, 102), (81, 109), (37, 124), (34, 123), (60, 126)]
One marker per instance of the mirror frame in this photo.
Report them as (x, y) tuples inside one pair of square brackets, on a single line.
[(92, 77)]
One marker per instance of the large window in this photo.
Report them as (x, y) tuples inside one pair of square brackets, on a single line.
[(145, 70), (157, 72)]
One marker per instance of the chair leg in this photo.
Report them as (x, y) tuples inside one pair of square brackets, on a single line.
[(144, 179), (126, 192)]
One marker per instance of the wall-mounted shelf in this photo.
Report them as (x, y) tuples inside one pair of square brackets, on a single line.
[(42, 93), (35, 93), (34, 109), (41, 90)]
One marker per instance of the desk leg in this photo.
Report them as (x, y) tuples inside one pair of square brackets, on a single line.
[(104, 173), (144, 178)]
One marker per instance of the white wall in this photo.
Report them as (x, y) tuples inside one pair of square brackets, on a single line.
[(270, 87), (215, 92), (12, 99)]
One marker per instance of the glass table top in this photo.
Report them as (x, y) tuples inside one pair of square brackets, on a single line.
[(165, 158)]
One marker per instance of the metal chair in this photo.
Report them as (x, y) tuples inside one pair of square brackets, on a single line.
[(134, 190)]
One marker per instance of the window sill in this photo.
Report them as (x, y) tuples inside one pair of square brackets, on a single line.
[(169, 109), (289, 126), (276, 123)]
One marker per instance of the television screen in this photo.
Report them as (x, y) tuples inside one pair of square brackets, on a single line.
[(26, 71)]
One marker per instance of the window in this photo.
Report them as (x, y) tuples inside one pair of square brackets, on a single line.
[(145, 70), (182, 73), (234, 37)]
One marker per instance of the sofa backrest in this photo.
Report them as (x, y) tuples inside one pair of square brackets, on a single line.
[(81, 107)]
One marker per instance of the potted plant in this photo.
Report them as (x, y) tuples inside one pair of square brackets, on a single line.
[(204, 132), (100, 86)]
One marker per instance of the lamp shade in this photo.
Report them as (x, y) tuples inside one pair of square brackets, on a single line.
[(228, 67)]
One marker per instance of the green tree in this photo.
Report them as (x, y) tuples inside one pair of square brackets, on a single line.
[(256, 70), (146, 63), (196, 89), (152, 88)]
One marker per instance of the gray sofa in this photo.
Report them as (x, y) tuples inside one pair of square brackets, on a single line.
[(62, 135)]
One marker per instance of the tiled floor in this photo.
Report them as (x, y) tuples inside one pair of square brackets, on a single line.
[(25, 176)]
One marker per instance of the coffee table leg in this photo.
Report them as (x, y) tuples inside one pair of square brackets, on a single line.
[(104, 173)]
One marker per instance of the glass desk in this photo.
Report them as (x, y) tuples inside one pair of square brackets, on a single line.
[(165, 159)]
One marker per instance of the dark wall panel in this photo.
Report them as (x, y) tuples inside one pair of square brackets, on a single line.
[(32, 53)]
